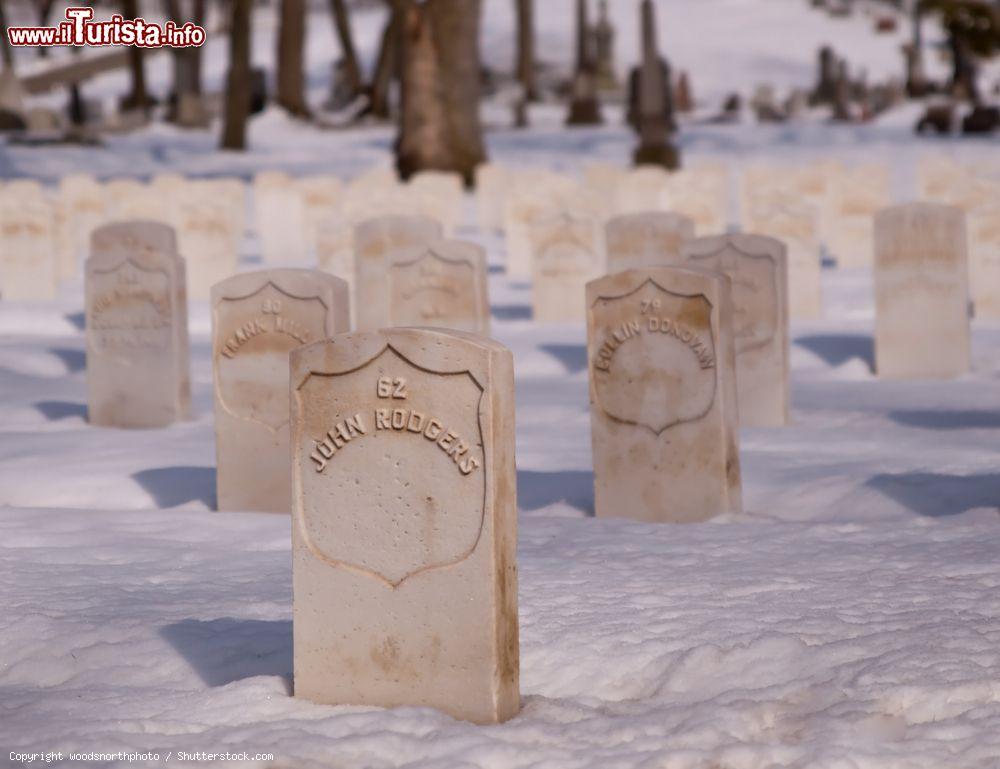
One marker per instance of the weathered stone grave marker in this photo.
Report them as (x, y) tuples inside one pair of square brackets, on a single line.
[(136, 320), (440, 284), (567, 254), (27, 247), (258, 318), (404, 523), (664, 424), (758, 268), (921, 292), (650, 239), (374, 241)]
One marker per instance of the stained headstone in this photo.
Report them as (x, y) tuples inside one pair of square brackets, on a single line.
[(664, 424), (322, 198), (27, 246), (491, 190), (757, 266), (404, 525), (646, 188), (652, 239), (440, 284), (858, 195), (335, 250), (374, 241), (280, 219), (82, 206), (921, 292), (702, 194), (796, 225), (206, 238), (566, 255), (258, 318), (442, 195), (136, 321)]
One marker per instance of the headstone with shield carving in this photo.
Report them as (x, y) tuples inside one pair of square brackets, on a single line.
[(404, 526), (664, 424), (374, 241), (757, 266), (441, 284), (136, 321), (258, 318)]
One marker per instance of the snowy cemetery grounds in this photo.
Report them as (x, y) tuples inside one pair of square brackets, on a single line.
[(847, 619)]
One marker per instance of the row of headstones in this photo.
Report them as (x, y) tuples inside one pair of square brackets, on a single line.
[(404, 509), (976, 191), (44, 238), (402, 482), (306, 220), (136, 319)]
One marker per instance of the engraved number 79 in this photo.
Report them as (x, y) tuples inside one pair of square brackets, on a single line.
[(649, 304), (391, 388)]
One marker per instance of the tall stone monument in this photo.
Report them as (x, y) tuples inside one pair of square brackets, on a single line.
[(603, 47), (651, 101), (584, 107)]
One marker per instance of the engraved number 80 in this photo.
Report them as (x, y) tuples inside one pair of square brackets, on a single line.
[(272, 306), (391, 388)]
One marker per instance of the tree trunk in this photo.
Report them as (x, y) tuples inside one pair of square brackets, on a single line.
[(342, 23), (238, 81), (138, 97), (291, 52), (439, 126), (525, 65), (187, 109), (385, 64), (5, 48), (44, 12)]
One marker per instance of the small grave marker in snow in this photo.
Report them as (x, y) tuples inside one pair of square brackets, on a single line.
[(441, 284), (206, 236), (758, 268), (404, 522), (567, 253), (374, 241), (647, 239), (664, 424), (921, 292), (136, 320), (258, 318), (796, 225), (27, 245)]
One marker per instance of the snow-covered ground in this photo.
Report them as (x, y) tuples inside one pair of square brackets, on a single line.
[(850, 619)]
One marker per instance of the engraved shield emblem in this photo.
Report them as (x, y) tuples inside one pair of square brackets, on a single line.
[(415, 438), (653, 361), (254, 335), (431, 291), (131, 310), (755, 295)]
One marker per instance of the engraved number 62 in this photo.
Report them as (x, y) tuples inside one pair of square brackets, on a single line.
[(391, 388)]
